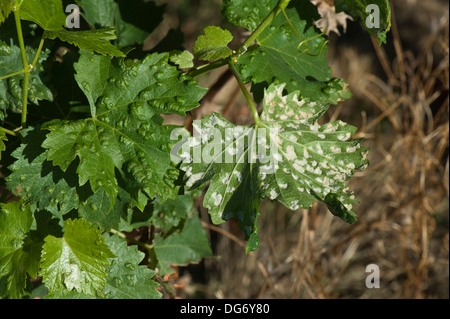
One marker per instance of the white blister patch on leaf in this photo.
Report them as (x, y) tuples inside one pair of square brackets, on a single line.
[(301, 162)]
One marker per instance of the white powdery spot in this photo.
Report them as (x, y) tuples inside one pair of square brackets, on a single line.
[(293, 138), (350, 165), (306, 153), (194, 178), (217, 198), (299, 165), (284, 186), (348, 206), (231, 189), (319, 149), (290, 153), (238, 176), (335, 149), (322, 136), (269, 97), (294, 205), (226, 178), (312, 104), (351, 149), (273, 194), (315, 127)]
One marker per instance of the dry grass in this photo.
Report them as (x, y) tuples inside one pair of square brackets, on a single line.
[(403, 215), (401, 105)]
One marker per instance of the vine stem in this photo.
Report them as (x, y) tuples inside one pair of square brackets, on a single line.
[(246, 93), (26, 67)]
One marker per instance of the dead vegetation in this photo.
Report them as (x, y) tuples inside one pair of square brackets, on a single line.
[(401, 106)]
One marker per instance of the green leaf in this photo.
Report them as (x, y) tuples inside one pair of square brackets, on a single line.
[(125, 131), (11, 88), (172, 212), (188, 245), (126, 278), (287, 157), (49, 14), (182, 58), (19, 255), (76, 261), (375, 15), (6, 7), (247, 13), (36, 180), (276, 58), (213, 45), (133, 20), (90, 40)]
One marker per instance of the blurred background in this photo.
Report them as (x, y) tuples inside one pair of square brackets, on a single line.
[(401, 107)]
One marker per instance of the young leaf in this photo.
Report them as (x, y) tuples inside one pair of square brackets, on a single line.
[(213, 44), (306, 161), (19, 255), (375, 15), (125, 131), (126, 278), (77, 261), (182, 58), (189, 245)]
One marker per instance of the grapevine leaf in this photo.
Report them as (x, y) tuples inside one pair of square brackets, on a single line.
[(188, 245), (375, 15), (36, 180), (11, 88), (126, 279), (233, 191), (182, 58), (17, 251), (276, 58), (89, 40), (49, 188), (125, 132), (49, 15), (247, 13), (6, 7), (78, 260), (307, 162), (170, 213), (133, 20), (213, 44)]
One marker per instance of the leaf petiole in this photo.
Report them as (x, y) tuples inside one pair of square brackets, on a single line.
[(246, 94)]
